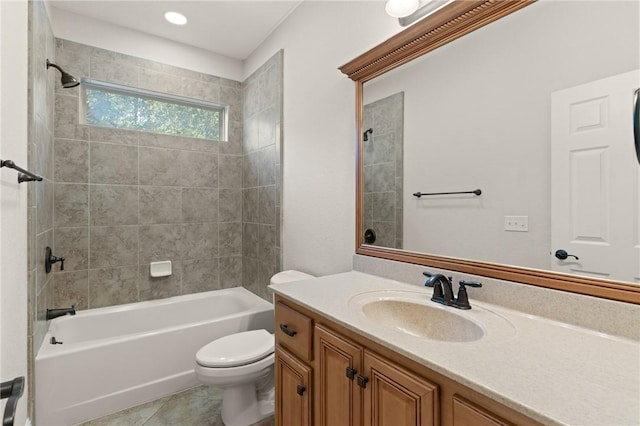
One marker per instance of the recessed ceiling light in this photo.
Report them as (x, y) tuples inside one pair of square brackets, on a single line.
[(175, 18)]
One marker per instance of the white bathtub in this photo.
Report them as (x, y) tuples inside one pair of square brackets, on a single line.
[(118, 357)]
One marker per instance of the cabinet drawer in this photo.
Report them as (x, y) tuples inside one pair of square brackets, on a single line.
[(293, 331)]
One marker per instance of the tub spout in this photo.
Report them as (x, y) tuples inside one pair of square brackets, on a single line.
[(55, 313)]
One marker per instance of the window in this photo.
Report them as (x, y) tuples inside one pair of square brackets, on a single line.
[(122, 107)]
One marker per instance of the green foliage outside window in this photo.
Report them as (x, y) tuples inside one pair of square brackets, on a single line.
[(127, 111)]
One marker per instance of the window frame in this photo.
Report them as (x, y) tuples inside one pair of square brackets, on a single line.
[(119, 89)]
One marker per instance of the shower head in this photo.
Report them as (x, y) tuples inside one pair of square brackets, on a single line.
[(67, 80)]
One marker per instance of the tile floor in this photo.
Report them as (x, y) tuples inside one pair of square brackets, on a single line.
[(199, 406)]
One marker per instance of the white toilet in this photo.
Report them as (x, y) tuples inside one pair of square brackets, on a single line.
[(242, 364)]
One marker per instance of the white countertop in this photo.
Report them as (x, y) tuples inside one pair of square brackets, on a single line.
[(552, 372)]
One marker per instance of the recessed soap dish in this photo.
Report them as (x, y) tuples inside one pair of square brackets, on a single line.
[(160, 269)]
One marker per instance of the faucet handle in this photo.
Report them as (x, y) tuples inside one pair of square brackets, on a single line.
[(462, 301), (469, 283)]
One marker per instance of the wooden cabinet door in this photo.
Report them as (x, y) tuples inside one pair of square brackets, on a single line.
[(293, 390), (337, 396), (395, 396)]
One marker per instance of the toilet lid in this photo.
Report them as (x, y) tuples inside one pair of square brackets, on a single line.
[(236, 349)]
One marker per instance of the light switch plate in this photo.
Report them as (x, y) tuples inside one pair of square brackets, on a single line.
[(516, 223)]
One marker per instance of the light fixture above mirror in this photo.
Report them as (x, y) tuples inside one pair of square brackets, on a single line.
[(401, 8)]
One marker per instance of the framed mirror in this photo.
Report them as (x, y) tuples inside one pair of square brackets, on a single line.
[(496, 138)]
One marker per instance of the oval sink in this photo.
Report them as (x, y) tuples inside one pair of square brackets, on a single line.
[(423, 321), (413, 313)]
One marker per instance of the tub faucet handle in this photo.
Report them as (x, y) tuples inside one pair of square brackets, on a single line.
[(50, 259)]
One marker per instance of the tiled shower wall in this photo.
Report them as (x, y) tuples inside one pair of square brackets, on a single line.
[(383, 152), (261, 219), (126, 198), (40, 194)]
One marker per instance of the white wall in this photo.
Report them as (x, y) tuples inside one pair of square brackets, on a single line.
[(13, 197), (319, 127), (86, 30), (477, 115)]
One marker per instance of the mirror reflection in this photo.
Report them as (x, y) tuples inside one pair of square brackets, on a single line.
[(536, 110)]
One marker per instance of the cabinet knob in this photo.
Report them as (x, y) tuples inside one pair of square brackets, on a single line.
[(362, 381), (351, 373), (300, 389)]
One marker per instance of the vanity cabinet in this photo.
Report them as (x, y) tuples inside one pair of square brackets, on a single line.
[(354, 386), (349, 380)]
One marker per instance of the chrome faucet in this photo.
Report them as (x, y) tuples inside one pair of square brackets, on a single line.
[(443, 290)]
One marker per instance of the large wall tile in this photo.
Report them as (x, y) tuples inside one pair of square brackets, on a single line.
[(113, 246), (267, 204), (250, 240), (73, 245), (150, 288), (160, 205), (230, 239), (199, 205), (114, 286), (160, 167), (267, 166), (250, 205), (44, 150), (113, 205), (230, 170), (201, 90), (71, 207), (384, 206), (200, 275), (200, 241), (71, 288), (156, 140), (230, 271), (251, 168), (199, 169), (45, 205), (114, 72), (116, 136), (71, 161), (230, 205), (67, 122), (43, 241), (266, 243), (160, 242), (110, 163), (267, 121), (160, 82)]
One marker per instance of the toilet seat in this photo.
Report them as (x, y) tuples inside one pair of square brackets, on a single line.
[(236, 350)]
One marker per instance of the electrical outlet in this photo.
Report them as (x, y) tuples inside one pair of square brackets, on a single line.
[(516, 223)]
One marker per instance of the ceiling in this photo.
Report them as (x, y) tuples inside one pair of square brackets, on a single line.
[(232, 28)]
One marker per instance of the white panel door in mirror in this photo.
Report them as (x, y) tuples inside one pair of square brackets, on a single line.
[(595, 180)]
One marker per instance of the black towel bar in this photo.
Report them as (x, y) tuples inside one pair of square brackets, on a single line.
[(420, 194), (24, 175)]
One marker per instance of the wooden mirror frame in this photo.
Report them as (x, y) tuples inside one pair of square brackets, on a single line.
[(447, 24)]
